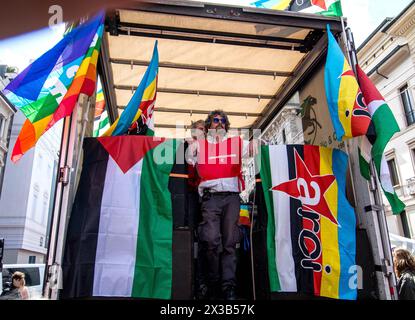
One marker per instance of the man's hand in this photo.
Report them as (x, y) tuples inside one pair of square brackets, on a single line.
[(191, 152)]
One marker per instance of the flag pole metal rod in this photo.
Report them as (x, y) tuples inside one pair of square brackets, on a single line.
[(376, 204), (253, 219), (53, 267), (251, 247), (81, 141), (64, 198), (56, 199)]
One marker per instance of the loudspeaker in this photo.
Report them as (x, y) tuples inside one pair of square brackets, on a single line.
[(178, 189), (183, 271), (259, 243), (364, 259)]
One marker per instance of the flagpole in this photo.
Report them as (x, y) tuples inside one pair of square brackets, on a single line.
[(386, 260), (64, 175), (64, 198), (56, 200), (81, 141), (251, 245)]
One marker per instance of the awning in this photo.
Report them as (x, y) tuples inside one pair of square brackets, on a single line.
[(245, 61)]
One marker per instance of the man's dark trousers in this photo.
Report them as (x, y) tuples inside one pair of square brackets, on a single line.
[(219, 234)]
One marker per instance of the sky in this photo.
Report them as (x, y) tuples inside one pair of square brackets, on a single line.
[(21, 50), (363, 17)]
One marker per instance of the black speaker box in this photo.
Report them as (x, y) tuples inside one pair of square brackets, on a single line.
[(364, 259), (183, 269)]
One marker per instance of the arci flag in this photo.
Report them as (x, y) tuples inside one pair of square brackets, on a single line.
[(348, 112), (142, 102), (324, 7), (373, 147), (311, 239), (119, 238), (48, 89), (101, 119)]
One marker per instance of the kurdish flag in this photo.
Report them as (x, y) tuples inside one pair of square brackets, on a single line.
[(119, 238), (101, 119), (48, 89), (311, 239), (272, 4), (349, 114), (373, 147), (142, 102), (324, 7)]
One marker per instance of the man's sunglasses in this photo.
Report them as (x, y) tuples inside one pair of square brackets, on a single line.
[(216, 120)]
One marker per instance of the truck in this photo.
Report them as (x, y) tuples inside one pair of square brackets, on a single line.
[(263, 67)]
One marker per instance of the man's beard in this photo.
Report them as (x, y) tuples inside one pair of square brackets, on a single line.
[(218, 131)]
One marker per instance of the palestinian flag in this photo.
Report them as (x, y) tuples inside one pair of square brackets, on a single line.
[(373, 147), (330, 8), (311, 237), (119, 238)]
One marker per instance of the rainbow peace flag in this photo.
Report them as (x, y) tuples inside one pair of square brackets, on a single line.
[(101, 119), (142, 102), (244, 218), (48, 89), (349, 113), (311, 237)]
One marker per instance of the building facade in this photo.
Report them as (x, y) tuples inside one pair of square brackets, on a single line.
[(388, 58), (26, 199), (286, 127), (7, 110)]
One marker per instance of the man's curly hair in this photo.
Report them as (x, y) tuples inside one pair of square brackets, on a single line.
[(217, 112)]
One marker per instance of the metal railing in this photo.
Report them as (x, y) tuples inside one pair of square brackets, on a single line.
[(404, 191), (248, 169)]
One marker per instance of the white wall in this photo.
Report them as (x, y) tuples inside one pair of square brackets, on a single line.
[(16, 188), (26, 196), (6, 116)]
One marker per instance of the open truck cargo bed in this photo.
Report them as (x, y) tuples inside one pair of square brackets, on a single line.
[(248, 62), (245, 61)]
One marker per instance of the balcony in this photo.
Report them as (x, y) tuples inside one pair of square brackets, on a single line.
[(405, 191), (411, 186)]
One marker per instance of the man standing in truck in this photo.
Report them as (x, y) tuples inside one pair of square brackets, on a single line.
[(218, 161)]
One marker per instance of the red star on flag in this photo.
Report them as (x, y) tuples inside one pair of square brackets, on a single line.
[(319, 3), (348, 72), (309, 189)]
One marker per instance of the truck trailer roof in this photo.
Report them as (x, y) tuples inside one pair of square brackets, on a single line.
[(246, 61)]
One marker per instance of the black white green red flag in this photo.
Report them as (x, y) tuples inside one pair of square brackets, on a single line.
[(119, 238)]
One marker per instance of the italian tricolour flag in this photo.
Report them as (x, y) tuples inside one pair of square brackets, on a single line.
[(374, 147)]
